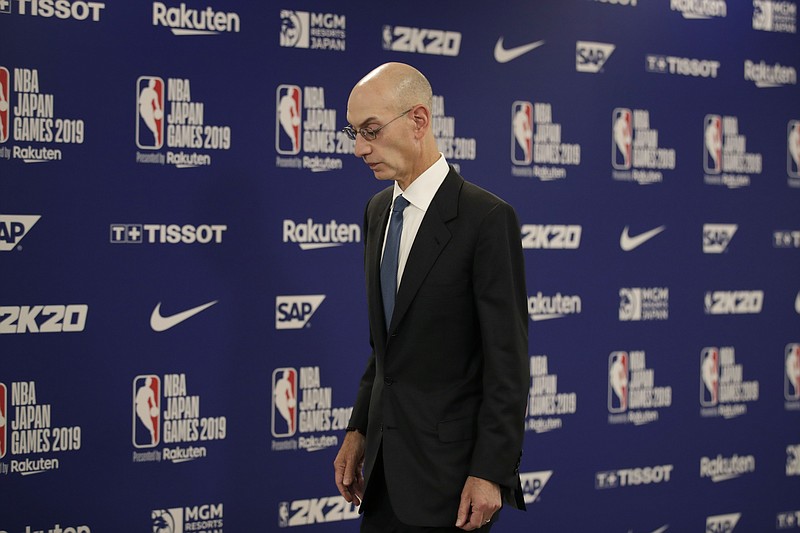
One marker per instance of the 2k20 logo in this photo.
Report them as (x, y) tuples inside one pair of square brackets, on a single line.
[(294, 312)]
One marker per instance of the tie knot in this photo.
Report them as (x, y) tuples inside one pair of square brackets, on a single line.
[(400, 204)]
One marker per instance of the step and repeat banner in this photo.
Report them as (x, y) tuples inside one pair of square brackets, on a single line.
[(182, 312)]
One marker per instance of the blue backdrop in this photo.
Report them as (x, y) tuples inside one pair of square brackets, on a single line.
[(182, 313)]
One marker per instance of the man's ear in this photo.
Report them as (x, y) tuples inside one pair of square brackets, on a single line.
[(421, 116)]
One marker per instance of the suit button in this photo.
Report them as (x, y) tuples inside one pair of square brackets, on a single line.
[(388, 381)]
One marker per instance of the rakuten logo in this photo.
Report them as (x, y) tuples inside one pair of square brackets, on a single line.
[(310, 235)]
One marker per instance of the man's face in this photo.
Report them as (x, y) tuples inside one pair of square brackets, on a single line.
[(390, 156)]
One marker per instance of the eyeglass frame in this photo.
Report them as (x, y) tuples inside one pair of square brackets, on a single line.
[(370, 134)]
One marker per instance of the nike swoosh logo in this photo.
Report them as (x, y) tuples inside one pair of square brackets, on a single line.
[(504, 55), (797, 303), (628, 243), (662, 529), (163, 323)]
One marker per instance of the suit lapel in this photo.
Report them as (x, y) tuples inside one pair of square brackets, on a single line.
[(431, 239)]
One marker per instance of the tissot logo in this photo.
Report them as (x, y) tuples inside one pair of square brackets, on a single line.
[(166, 233), (628, 477), (62, 9)]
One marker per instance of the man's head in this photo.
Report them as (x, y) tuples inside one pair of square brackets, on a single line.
[(400, 94)]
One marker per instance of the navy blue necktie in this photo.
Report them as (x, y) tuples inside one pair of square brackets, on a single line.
[(391, 255)]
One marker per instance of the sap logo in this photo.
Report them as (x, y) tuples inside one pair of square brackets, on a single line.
[(13, 228), (723, 523), (62, 9), (734, 302), (294, 312), (533, 483), (421, 41), (28, 319), (591, 56), (315, 511), (551, 236), (717, 237)]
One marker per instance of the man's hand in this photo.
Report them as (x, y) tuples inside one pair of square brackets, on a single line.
[(347, 467), (480, 499)]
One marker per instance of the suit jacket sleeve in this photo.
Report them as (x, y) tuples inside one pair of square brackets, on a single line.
[(501, 302)]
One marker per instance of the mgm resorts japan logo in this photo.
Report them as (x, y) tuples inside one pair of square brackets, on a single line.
[(643, 303), (207, 517)]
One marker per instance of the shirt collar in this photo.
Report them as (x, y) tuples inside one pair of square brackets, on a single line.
[(422, 190)]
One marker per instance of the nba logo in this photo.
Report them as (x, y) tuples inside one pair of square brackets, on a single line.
[(709, 377), (283, 514), (149, 112), (146, 411), (618, 382), (793, 149), (167, 520), (5, 79), (3, 419), (622, 137), (712, 148), (522, 133), (284, 402), (792, 384), (287, 124)]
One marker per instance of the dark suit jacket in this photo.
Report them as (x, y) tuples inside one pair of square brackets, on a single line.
[(445, 391)]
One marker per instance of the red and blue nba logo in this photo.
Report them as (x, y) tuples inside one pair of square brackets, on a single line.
[(5, 104), (793, 149), (792, 385), (618, 374), (284, 402), (3, 419), (288, 106), (522, 133), (709, 377), (622, 138), (712, 146), (149, 112), (146, 411)]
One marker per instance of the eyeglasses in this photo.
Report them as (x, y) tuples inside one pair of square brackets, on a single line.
[(369, 134)]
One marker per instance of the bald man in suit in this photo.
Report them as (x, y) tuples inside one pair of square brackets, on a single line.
[(435, 438)]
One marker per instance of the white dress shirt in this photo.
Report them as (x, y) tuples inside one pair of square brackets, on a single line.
[(419, 195)]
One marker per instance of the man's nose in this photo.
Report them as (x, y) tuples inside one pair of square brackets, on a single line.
[(363, 147)]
